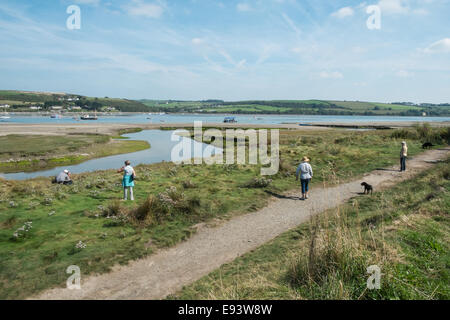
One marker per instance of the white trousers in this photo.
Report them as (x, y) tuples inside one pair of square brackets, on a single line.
[(125, 193)]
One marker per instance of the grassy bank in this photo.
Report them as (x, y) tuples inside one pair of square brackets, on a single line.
[(171, 200), (38, 152), (404, 230)]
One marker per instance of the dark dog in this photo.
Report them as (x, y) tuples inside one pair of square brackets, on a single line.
[(427, 145), (367, 188)]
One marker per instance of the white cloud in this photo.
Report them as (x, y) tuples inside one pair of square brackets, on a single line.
[(243, 7), (197, 41), (394, 6), (91, 2), (404, 74), (291, 24), (331, 75), (343, 13), (141, 8), (442, 45)]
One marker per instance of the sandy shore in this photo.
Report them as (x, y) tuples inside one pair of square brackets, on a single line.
[(112, 128)]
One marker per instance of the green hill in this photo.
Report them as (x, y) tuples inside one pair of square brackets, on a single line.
[(21, 99), (307, 107)]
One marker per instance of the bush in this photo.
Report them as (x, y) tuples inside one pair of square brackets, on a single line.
[(114, 209), (259, 183), (157, 209)]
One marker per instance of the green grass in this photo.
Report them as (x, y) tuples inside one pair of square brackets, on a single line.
[(80, 212), (310, 107), (37, 152), (404, 230)]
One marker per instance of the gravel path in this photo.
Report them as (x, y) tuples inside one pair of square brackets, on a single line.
[(169, 270)]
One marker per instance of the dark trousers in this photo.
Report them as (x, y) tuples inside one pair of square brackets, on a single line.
[(402, 163), (305, 185)]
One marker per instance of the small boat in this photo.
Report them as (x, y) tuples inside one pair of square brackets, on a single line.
[(55, 116), (230, 120), (5, 116), (88, 117)]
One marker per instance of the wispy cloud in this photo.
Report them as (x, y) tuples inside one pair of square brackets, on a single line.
[(243, 7), (441, 46), (343, 13), (291, 24), (141, 8), (331, 75)]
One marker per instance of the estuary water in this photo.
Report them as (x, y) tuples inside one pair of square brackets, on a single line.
[(161, 149), (207, 118)]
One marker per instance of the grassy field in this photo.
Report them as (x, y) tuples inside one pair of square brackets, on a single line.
[(404, 230), (86, 225), (310, 107), (36, 152), (21, 100)]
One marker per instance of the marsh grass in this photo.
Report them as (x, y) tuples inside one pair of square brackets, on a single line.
[(37, 152), (63, 216), (398, 229)]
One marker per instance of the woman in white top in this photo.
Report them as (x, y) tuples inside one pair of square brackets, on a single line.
[(128, 180), (305, 172)]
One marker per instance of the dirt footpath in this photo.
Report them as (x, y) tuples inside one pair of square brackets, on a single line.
[(169, 270)]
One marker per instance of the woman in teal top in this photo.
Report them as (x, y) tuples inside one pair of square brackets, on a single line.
[(128, 180)]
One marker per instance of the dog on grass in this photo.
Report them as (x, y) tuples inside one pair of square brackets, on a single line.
[(367, 188), (427, 145)]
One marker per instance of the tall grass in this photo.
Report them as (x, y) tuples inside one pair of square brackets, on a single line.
[(424, 133), (403, 230)]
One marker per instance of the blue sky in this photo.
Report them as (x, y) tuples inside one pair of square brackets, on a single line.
[(229, 49)]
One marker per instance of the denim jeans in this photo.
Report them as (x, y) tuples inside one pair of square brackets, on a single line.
[(403, 164), (305, 185)]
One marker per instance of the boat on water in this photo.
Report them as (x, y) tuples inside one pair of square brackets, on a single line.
[(88, 117), (56, 116), (5, 116), (230, 120)]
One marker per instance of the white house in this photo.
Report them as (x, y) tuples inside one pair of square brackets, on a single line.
[(5, 106), (57, 108)]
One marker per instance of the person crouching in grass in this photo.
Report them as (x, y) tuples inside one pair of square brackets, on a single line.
[(128, 180), (305, 172)]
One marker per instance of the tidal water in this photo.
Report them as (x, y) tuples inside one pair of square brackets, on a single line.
[(161, 149), (242, 119)]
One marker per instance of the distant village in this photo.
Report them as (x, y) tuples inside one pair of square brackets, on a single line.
[(60, 104)]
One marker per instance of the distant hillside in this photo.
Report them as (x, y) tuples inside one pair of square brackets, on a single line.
[(307, 107), (22, 100)]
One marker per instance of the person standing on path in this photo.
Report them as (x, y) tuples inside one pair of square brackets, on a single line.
[(403, 156), (305, 172), (128, 180)]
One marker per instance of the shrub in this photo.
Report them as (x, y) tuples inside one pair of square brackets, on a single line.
[(160, 208), (188, 184), (259, 183), (114, 209)]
